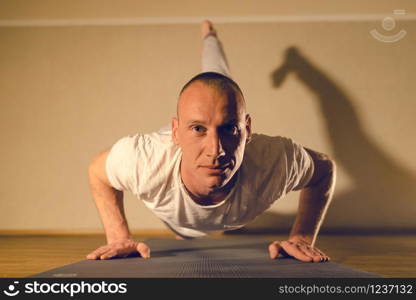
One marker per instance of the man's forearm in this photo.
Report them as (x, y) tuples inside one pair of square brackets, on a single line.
[(110, 205), (313, 204)]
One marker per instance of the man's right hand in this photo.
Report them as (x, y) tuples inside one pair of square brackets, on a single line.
[(122, 248)]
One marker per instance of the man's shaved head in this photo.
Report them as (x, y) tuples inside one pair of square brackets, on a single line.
[(221, 83)]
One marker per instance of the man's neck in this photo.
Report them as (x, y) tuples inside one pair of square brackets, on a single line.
[(208, 200)]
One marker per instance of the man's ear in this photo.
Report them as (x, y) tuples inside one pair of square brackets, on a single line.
[(248, 127), (175, 125)]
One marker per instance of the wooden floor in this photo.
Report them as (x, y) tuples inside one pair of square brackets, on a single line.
[(388, 255)]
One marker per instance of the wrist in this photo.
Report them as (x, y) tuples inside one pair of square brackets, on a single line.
[(301, 238), (119, 238)]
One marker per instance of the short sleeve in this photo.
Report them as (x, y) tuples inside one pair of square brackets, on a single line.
[(302, 167), (274, 166), (121, 164)]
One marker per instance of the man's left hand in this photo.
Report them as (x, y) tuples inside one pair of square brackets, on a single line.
[(298, 249)]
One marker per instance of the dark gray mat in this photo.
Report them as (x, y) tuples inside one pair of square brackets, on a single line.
[(203, 258)]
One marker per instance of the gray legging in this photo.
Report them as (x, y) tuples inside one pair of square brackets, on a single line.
[(213, 56)]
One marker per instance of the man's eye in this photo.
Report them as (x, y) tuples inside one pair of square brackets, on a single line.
[(230, 129), (198, 129)]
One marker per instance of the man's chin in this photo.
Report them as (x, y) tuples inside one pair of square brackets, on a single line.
[(215, 182)]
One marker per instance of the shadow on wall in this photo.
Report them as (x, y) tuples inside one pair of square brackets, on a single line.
[(384, 192)]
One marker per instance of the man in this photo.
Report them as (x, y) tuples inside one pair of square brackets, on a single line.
[(209, 172)]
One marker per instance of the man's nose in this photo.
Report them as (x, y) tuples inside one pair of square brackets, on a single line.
[(215, 147)]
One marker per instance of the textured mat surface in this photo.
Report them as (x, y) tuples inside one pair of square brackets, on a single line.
[(235, 258)]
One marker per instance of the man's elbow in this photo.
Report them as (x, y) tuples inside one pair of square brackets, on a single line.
[(327, 174), (96, 168), (324, 169), (92, 167), (330, 167)]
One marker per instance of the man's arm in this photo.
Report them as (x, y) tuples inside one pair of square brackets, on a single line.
[(315, 198), (109, 202)]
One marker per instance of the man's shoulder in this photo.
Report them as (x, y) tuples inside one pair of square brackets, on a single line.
[(264, 168), (262, 142), (154, 145), (157, 139), (162, 137), (267, 137), (134, 160)]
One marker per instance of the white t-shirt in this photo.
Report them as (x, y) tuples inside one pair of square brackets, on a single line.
[(148, 166)]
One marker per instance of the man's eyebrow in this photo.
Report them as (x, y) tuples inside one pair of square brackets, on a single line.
[(190, 122), (232, 121), (226, 122)]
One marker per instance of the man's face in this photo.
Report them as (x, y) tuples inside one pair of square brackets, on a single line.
[(212, 131)]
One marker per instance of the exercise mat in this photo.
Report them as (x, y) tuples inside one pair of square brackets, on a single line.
[(204, 258)]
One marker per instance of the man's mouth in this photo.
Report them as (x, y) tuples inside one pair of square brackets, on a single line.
[(215, 169)]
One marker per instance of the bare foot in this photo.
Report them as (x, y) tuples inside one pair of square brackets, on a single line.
[(207, 29)]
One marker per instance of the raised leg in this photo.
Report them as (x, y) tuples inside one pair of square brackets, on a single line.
[(213, 56)]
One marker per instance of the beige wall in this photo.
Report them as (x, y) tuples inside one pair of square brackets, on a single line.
[(69, 92)]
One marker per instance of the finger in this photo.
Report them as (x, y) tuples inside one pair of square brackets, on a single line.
[(310, 251), (274, 249), (97, 253), (91, 256), (293, 250), (143, 249), (325, 257), (306, 252), (108, 254)]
